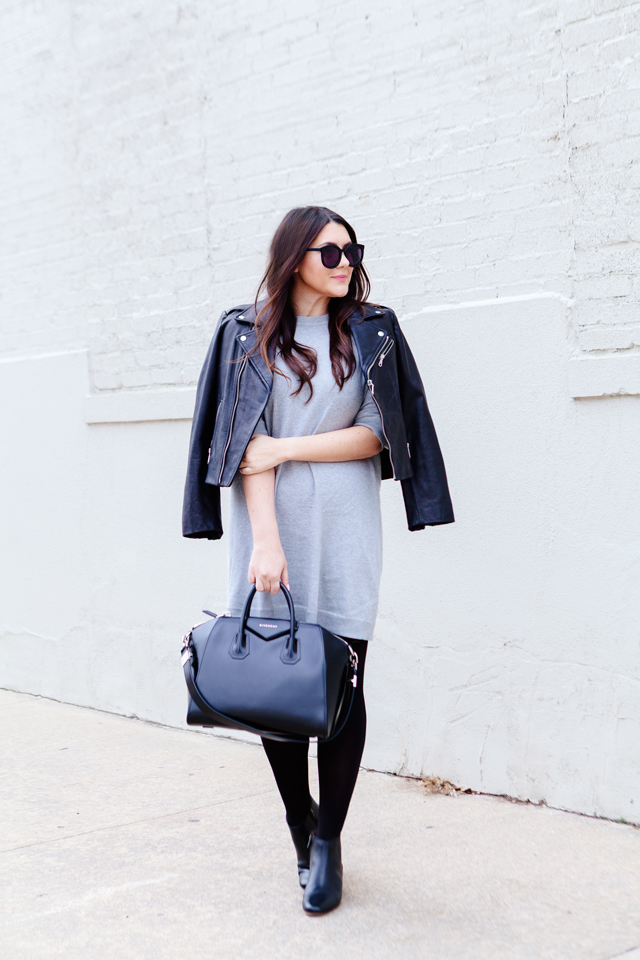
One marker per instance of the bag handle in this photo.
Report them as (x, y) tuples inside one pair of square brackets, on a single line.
[(290, 651)]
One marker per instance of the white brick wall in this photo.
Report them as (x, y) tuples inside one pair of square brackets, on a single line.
[(42, 272), (481, 150), (486, 152), (601, 48)]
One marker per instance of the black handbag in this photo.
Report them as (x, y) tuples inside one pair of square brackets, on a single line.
[(278, 678)]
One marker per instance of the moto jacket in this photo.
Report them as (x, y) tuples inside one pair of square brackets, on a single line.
[(233, 391)]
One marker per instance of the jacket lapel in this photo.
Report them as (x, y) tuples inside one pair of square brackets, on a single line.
[(247, 341), (365, 333)]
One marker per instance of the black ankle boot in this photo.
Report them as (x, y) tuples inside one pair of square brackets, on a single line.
[(301, 837), (324, 887)]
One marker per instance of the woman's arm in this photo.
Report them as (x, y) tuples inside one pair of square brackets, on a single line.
[(352, 443), (268, 565)]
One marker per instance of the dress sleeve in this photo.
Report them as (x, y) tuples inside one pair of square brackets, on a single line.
[(369, 416), (261, 427)]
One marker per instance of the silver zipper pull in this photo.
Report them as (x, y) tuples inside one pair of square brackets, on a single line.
[(386, 350), (370, 385)]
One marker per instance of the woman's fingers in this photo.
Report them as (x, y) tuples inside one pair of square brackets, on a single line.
[(268, 567), (265, 583), (261, 455)]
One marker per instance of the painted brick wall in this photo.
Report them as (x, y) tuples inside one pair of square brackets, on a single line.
[(486, 153), (42, 272), (482, 150), (601, 54)]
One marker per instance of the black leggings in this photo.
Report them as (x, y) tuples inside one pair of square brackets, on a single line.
[(338, 765)]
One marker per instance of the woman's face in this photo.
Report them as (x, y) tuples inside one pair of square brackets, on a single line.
[(326, 281)]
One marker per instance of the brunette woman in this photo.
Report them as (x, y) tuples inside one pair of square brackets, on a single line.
[(306, 400)]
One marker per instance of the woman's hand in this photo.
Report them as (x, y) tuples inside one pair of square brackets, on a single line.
[(262, 453), (268, 566)]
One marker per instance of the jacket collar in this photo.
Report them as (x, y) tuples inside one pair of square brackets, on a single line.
[(246, 316)]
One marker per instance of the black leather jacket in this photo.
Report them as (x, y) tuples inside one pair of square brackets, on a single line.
[(233, 390)]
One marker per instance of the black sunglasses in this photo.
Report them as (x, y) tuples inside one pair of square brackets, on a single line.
[(331, 254)]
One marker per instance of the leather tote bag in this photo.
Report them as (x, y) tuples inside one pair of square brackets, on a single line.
[(278, 678)]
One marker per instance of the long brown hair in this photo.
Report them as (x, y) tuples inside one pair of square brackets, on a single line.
[(276, 321)]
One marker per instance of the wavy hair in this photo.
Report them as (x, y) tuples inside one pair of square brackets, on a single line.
[(276, 322)]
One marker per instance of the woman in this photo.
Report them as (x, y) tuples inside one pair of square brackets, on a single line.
[(306, 400)]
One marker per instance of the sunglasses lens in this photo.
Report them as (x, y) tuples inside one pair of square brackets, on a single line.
[(331, 255), (353, 253)]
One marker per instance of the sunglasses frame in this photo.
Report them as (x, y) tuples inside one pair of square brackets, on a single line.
[(328, 246)]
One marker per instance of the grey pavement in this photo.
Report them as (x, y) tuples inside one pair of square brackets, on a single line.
[(122, 839)]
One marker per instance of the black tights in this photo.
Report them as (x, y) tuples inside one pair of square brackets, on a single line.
[(338, 765)]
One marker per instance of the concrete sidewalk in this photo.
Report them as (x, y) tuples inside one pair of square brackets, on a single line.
[(121, 839)]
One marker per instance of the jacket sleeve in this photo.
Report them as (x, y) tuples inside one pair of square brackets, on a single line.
[(426, 493), (201, 515)]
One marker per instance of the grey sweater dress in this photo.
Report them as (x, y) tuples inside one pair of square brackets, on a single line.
[(328, 513)]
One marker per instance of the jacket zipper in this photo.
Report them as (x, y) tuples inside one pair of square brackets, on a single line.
[(217, 414), (380, 356), (233, 416), (384, 353)]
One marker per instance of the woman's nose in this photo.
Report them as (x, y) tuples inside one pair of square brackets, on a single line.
[(344, 257)]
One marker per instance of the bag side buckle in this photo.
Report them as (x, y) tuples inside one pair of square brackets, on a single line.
[(353, 660), (186, 651)]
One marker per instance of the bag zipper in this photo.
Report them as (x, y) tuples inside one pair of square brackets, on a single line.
[(380, 356), (233, 415)]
